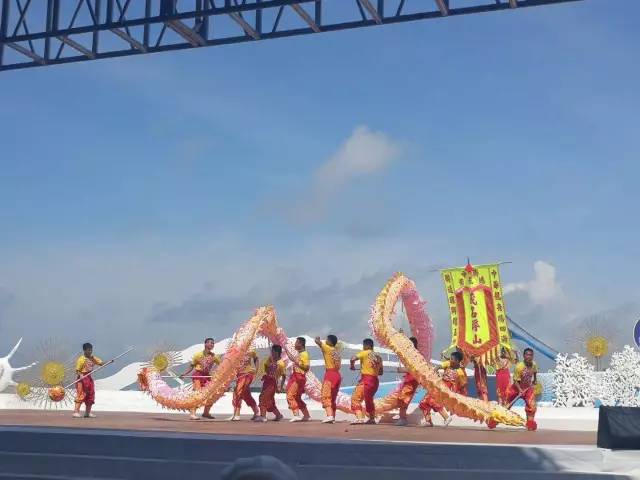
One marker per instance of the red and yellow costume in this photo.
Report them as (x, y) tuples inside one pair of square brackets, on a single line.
[(454, 378), (244, 379), (370, 364), (402, 397), (332, 379), (296, 384), (503, 380), (273, 371), (480, 377), (203, 363), (524, 377), (85, 388)]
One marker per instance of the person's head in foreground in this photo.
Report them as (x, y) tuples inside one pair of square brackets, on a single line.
[(276, 352), (262, 467), (528, 356), (456, 359)]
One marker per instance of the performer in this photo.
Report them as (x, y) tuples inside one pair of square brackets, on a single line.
[(332, 379), (370, 369), (85, 388), (242, 390), (403, 396), (297, 382), (480, 377), (455, 379), (274, 371), (503, 376), (202, 363), (525, 378)]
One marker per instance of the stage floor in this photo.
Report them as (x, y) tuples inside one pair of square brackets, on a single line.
[(313, 429)]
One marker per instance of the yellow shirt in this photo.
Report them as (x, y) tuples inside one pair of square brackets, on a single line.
[(273, 369), (331, 356), (249, 363), (203, 361), (370, 362), (303, 360), (524, 375), (85, 365)]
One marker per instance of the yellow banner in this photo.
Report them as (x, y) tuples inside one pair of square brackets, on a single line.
[(478, 318)]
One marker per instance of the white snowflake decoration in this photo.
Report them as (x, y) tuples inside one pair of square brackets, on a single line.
[(7, 371), (574, 381), (620, 383)]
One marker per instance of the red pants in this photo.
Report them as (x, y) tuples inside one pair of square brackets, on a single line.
[(243, 391), (428, 403), (295, 389), (403, 396), (366, 389), (503, 381), (529, 398), (480, 375), (86, 391), (199, 382), (267, 400), (330, 387)]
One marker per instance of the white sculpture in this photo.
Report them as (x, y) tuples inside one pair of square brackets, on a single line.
[(7, 371), (621, 381), (574, 381)]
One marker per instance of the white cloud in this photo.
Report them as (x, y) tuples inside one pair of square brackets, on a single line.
[(543, 288), (176, 289), (364, 153)]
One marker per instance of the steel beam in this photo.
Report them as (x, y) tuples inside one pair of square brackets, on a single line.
[(444, 7), (128, 38), (306, 17), (27, 53), (372, 11), (33, 40), (187, 33), (75, 45), (248, 29), (4, 25)]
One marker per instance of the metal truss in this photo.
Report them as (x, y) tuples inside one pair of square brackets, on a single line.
[(36, 33)]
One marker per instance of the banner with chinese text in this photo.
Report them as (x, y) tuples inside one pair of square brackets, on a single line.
[(478, 318)]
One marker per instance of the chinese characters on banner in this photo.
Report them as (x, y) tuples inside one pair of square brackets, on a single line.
[(479, 325)]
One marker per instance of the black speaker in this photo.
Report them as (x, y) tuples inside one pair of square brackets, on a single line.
[(619, 428)]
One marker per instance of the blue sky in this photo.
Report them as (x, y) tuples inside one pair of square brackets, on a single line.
[(161, 197)]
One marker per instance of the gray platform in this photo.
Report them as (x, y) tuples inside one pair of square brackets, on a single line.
[(66, 453)]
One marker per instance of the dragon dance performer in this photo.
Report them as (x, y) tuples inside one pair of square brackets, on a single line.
[(332, 379), (274, 371), (455, 379), (503, 376), (202, 363), (242, 390), (297, 382), (480, 377), (85, 388), (402, 398), (370, 369), (525, 378)]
